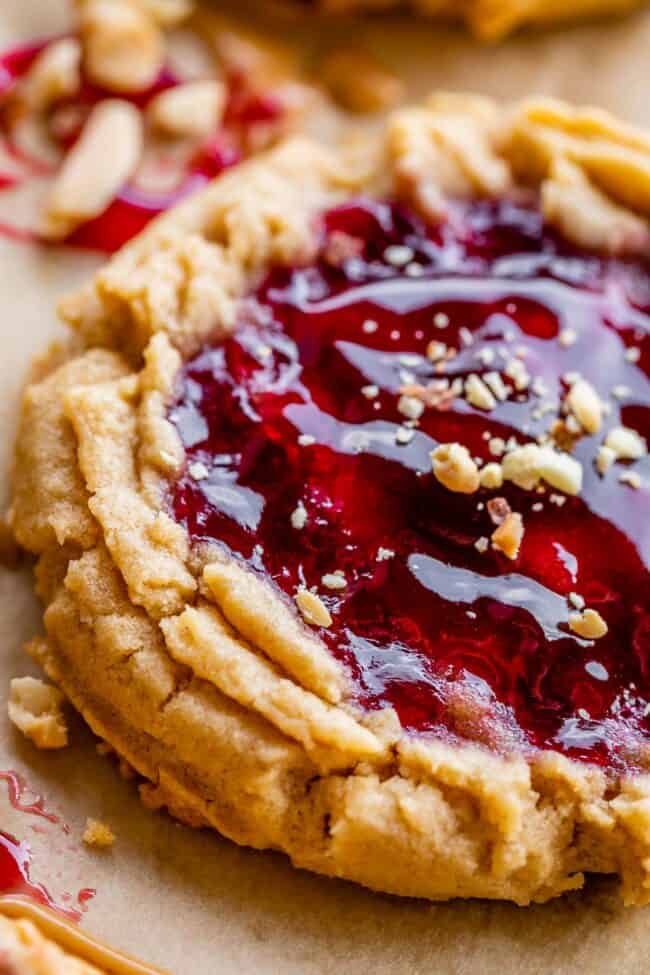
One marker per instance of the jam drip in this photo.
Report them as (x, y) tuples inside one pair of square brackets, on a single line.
[(296, 464)]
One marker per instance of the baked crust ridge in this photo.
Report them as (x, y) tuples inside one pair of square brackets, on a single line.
[(194, 670)]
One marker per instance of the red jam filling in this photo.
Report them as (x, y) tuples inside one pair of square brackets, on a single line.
[(249, 115), (299, 410)]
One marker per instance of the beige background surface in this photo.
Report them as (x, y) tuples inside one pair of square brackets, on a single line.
[(191, 901)]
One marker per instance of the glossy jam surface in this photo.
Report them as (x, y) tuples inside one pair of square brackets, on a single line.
[(463, 643), (250, 115)]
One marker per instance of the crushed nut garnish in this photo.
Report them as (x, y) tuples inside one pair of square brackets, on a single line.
[(369, 326), (477, 393), (190, 110), (482, 544), (588, 624), (498, 510), (440, 320), (198, 471), (398, 255), (584, 402), (370, 392), (454, 468), (508, 536), (633, 354), (306, 440), (567, 337), (312, 608), (497, 446), (631, 478), (404, 436), (491, 476), (410, 406), (436, 351), (626, 443), (496, 385), (383, 554), (334, 580), (516, 370), (604, 459), (299, 516), (576, 600), (526, 466)]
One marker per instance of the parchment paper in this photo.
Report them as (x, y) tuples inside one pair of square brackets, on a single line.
[(188, 900)]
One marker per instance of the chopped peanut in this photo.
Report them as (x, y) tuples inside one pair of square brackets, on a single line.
[(191, 110), (54, 74), (313, 608), (123, 46), (627, 444), (478, 394), (584, 402), (604, 459), (508, 535), (491, 476), (588, 624), (498, 510), (454, 467), (526, 465), (97, 167)]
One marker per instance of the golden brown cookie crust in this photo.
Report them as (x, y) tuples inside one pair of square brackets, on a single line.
[(24, 950), (489, 19), (199, 674)]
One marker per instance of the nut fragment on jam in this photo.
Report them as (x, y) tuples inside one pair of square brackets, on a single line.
[(519, 587)]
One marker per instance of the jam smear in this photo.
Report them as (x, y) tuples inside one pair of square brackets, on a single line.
[(299, 462), (22, 799), (15, 861), (250, 115)]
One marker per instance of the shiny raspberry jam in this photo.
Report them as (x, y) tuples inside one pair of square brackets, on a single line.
[(300, 462)]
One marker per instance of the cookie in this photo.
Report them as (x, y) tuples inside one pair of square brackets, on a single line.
[(339, 494), (37, 941), (488, 19)]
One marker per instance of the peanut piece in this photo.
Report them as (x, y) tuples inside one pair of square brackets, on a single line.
[(313, 608), (193, 110), (509, 534), (626, 443), (584, 403), (123, 46), (101, 162), (588, 624), (53, 75), (454, 467)]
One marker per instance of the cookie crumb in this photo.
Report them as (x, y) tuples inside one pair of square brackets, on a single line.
[(98, 834), (35, 709)]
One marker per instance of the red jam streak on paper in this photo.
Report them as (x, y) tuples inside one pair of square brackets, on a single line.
[(22, 799), (134, 207), (463, 645), (16, 856), (15, 861)]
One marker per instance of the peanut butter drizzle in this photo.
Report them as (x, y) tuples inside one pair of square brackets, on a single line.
[(72, 940)]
